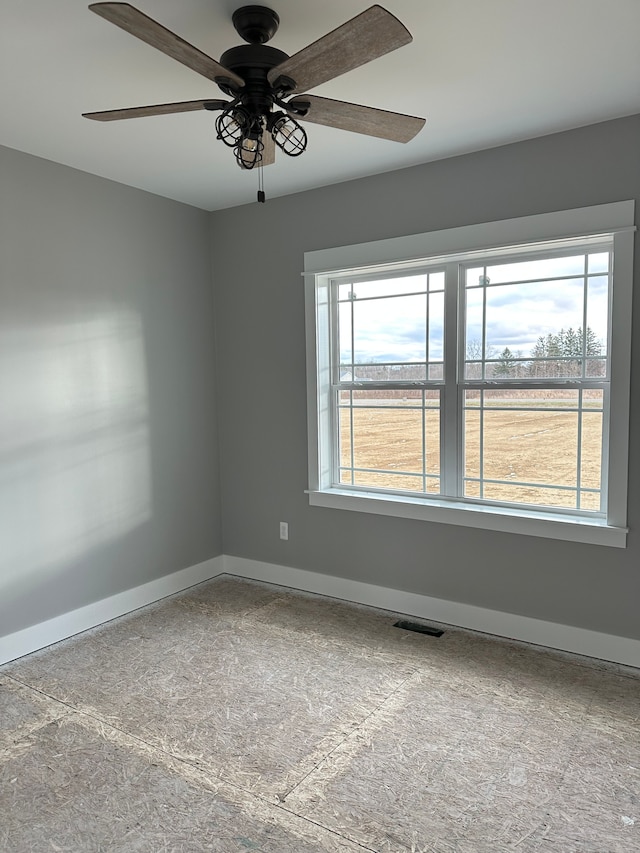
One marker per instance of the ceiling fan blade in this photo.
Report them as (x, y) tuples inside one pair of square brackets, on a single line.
[(373, 122), (268, 151), (128, 18), (156, 110), (367, 36)]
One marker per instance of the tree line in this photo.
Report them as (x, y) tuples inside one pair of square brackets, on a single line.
[(554, 355)]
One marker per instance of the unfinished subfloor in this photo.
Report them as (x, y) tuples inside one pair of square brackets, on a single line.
[(245, 717)]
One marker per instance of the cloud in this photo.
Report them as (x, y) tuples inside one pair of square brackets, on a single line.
[(394, 329), (390, 329)]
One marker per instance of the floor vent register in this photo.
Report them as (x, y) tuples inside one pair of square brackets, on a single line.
[(418, 628)]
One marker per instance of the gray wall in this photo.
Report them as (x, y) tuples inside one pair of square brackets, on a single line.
[(108, 406), (262, 397), (108, 445)]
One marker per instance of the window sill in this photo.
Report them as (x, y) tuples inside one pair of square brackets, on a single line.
[(529, 523)]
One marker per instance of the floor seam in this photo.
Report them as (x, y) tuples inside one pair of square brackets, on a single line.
[(209, 776), (348, 736), (336, 832)]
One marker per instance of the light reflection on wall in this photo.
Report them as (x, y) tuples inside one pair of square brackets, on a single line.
[(74, 442)]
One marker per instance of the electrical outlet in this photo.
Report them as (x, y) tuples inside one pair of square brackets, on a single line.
[(284, 530)]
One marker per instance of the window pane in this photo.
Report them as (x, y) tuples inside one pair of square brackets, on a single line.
[(390, 330), (472, 490), (536, 496), (388, 373), (399, 482), (521, 445), (344, 437), (474, 331), (599, 262), (518, 315), (472, 445), (344, 333), (474, 277), (399, 397), (597, 316), (590, 501), (436, 281), (593, 400), (531, 270), (387, 438), (345, 291), (518, 326), (432, 435), (394, 433), (533, 447), (543, 399), (591, 462), (436, 326), (385, 287), (596, 368)]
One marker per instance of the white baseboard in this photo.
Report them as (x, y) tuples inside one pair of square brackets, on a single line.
[(563, 637), (53, 630), (550, 634)]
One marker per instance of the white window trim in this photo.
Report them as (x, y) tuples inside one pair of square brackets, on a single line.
[(616, 219)]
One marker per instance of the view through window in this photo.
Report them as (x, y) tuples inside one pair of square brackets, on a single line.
[(513, 413)]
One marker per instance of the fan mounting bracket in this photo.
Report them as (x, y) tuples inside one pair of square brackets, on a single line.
[(256, 24)]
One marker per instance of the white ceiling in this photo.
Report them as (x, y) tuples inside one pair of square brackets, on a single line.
[(483, 72)]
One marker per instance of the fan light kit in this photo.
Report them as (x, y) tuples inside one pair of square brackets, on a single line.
[(262, 83)]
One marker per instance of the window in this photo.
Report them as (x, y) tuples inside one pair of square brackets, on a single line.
[(480, 385)]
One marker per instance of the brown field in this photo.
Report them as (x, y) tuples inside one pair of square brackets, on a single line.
[(519, 446)]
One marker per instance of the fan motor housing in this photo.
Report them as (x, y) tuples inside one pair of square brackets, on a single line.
[(246, 57), (253, 62)]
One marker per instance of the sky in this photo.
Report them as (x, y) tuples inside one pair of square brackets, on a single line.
[(519, 311)]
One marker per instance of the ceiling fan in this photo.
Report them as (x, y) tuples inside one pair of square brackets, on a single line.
[(263, 83)]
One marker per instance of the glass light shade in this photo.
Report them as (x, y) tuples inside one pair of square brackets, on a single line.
[(288, 135), (249, 151), (232, 124)]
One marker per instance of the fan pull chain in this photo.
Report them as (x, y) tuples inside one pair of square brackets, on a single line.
[(261, 196)]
